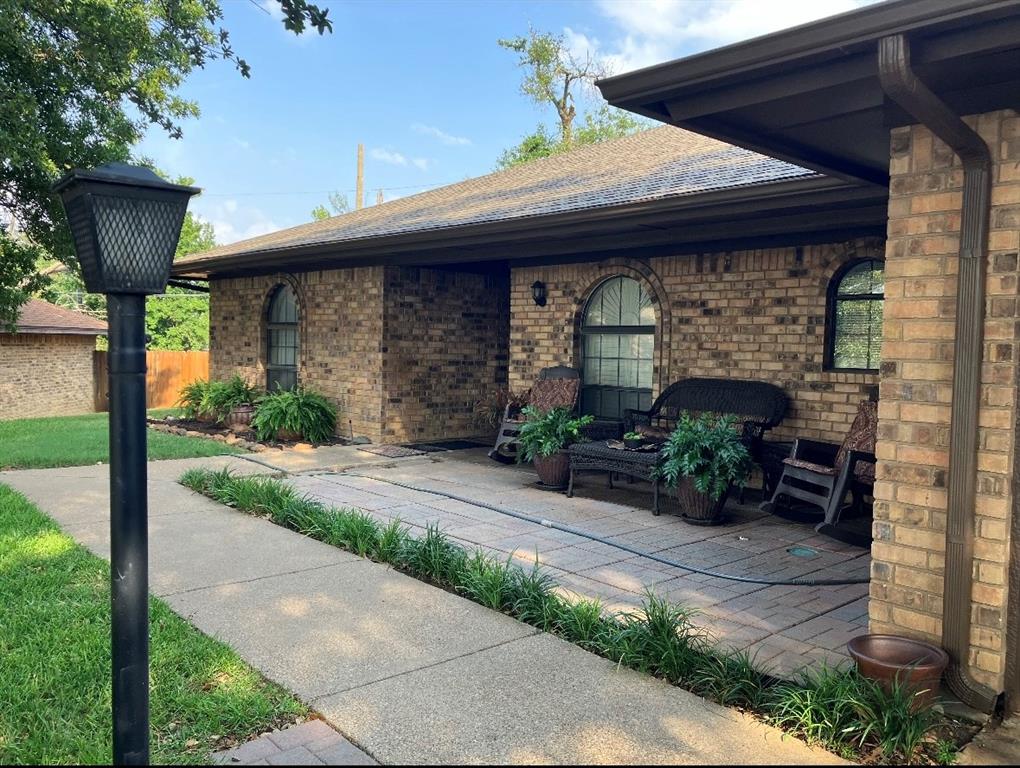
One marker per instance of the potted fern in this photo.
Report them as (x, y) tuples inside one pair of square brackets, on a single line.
[(700, 461), (289, 414), (544, 438)]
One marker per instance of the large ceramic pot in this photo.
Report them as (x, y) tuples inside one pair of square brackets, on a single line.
[(287, 435), (916, 664), (699, 508), (553, 471), (240, 416)]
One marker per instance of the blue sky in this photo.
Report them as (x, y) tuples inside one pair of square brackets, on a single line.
[(421, 83)]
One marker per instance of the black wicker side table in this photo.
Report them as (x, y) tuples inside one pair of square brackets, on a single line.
[(599, 457)]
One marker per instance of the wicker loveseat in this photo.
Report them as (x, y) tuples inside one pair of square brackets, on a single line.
[(759, 406)]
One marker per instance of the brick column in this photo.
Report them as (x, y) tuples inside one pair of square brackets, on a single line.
[(916, 391)]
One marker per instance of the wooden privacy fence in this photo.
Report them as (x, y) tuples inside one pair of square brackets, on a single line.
[(167, 373)]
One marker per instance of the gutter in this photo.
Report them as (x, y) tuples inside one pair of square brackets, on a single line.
[(902, 85)]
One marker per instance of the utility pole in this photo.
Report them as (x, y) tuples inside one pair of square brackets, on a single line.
[(378, 197), (360, 195)]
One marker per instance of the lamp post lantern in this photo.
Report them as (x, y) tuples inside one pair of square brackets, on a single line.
[(125, 222)]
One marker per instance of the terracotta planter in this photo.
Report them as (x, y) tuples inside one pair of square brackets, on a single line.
[(240, 416), (916, 664), (553, 471), (699, 508)]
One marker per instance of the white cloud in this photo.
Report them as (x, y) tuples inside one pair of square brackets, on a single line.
[(654, 31), (395, 158), (233, 221), (443, 136), (387, 156)]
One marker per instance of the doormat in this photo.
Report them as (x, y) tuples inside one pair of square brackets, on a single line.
[(446, 445), (391, 451)]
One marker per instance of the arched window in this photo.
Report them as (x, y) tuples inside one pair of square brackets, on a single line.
[(617, 342), (854, 316), (282, 340)]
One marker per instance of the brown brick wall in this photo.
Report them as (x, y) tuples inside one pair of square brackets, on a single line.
[(45, 375), (446, 347), (748, 314), (405, 353), (340, 330), (916, 391)]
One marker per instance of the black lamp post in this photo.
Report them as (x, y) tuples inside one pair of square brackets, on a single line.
[(126, 222)]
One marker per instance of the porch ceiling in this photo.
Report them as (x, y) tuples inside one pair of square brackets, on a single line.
[(810, 95)]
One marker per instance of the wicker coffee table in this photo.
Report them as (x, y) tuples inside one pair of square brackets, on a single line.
[(599, 457)]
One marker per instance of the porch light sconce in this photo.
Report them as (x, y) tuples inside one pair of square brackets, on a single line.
[(538, 292), (125, 222)]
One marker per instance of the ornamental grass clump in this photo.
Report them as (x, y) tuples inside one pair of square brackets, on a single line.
[(836, 708), (214, 400), (298, 411)]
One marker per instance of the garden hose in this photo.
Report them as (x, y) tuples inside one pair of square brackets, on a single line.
[(602, 540)]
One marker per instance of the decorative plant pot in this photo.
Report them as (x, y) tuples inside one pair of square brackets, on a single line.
[(887, 658), (287, 434), (699, 508), (553, 471), (205, 417), (633, 442), (240, 416)]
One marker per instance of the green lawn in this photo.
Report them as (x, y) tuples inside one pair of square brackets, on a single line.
[(65, 441), (55, 660)]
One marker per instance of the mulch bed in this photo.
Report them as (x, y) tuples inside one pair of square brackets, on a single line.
[(241, 436)]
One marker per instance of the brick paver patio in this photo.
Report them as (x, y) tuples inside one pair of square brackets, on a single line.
[(785, 627), (310, 743)]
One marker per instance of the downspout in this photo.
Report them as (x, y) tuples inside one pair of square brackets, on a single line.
[(902, 85)]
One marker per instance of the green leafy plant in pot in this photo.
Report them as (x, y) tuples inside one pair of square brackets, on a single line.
[(544, 438), (702, 458), (289, 414)]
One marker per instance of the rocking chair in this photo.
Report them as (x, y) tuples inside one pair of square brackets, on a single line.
[(821, 474), (556, 387)]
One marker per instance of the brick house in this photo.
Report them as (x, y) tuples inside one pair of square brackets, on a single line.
[(819, 215), (46, 365)]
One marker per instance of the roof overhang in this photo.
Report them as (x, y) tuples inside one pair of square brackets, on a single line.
[(56, 330), (811, 209), (810, 95)]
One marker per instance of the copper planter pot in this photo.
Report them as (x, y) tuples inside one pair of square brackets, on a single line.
[(554, 470), (699, 508), (887, 658), (240, 416)]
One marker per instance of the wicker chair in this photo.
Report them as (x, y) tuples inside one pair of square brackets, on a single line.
[(822, 473), (556, 387)]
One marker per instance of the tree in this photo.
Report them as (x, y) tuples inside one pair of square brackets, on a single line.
[(337, 204), (551, 75), (79, 83), (551, 72)]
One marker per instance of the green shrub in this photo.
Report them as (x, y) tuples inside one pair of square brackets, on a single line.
[(708, 449), (545, 433), (193, 399), (297, 410), (215, 399)]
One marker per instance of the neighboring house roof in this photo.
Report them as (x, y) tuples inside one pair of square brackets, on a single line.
[(38, 316), (656, 164)]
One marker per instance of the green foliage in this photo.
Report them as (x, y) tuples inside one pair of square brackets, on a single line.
[(297, 410), (544, 433), (216, 399), (839, 709), (552, 74), (194, 399), (337, 205), (80, 83), (632, 436), (55, 675), (946, 752), (708, 449)]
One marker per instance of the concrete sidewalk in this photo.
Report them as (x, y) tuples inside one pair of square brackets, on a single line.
[(406, 671)]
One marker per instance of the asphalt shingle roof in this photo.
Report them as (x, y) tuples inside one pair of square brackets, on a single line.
[(38, 316), (654, 164)]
